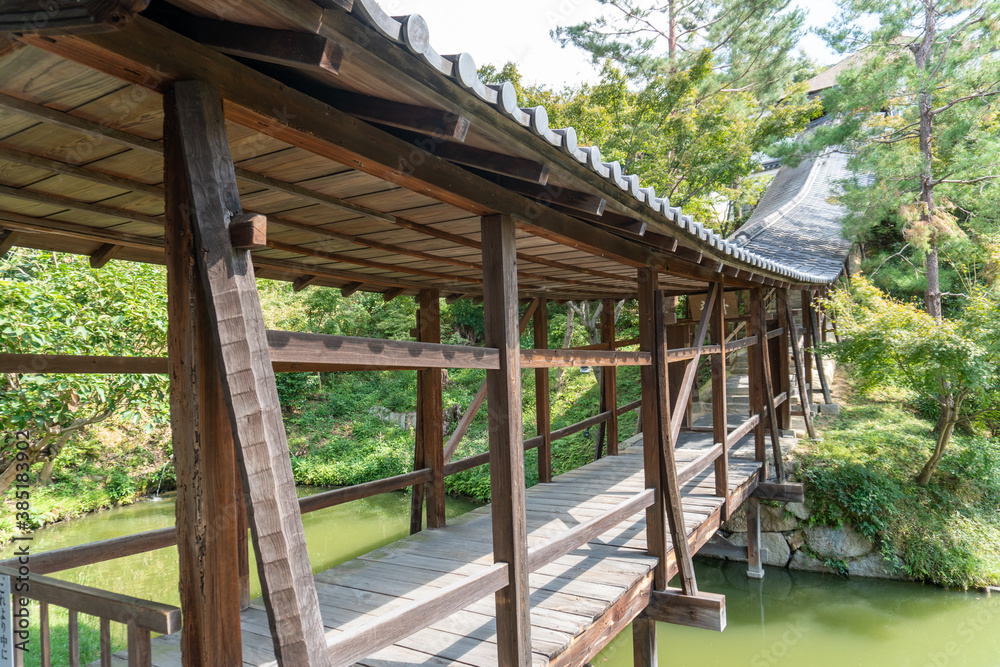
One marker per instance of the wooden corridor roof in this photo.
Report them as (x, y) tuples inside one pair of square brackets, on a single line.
[(578, 601), (372, 156)]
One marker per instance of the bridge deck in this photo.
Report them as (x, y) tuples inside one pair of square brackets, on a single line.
[(578, 603)]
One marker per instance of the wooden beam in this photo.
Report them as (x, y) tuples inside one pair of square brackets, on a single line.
[(609, 377), (203, 170), (248, 231), (61, 17), (785, 493), (305, 51), (720, 409), (575, 357), (439, 124), (506, 450), (489, 161), (430, 409), (8, 239), (816, 336), (572, 199), (767, 387), (389, 295), (208, 493), (670, 486), (103, 255), (702, 610), (59, 167), (800, 375), (543, 411), (656, 531), (350, 288), (303, 282)]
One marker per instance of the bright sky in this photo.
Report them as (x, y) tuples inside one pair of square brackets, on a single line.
[(495, 31)]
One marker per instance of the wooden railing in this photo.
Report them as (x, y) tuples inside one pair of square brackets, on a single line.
[(140, 617)]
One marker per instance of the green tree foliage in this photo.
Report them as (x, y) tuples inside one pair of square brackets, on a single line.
[(953, 363), (918, 114), (687, 97), (55, 304)]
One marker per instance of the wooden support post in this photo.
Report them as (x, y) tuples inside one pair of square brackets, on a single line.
[(759, 321), (202, 180), (430, 409), (656, 532), (609, 378), (720, 410), (816, 340), (644, 642), (800, 376), (208, 492), (669, 484), (543, 414), (506, 449), (807, 336), (755, 367), (782, 370), (755, 568)]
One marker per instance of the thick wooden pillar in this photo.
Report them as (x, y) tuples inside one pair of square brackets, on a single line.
[(203, 197), (543, 411), (506, 446), (720, 409), (429, 446), (209, 496), (818, 330), (783, 379), (609, 377), (679, 336), (669, 485), (656, 531), (755, 367)]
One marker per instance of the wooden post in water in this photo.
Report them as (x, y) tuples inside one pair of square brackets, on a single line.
[(609, 377), (543, 414), (202, 199), (506, 448), (208, 496), (755, 569)]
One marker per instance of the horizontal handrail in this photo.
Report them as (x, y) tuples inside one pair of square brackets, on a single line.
[(346, 494), (740, 431), (559, 546), (569, 358), (628, 407), (692, 469), (775, 333), (385, 630), (146, 614)]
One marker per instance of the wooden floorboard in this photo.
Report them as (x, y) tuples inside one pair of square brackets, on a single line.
[(578, 602)]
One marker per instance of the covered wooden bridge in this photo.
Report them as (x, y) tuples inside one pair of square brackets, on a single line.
[(327, 143)]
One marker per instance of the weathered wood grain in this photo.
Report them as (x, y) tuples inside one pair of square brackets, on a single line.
[(239, 339)]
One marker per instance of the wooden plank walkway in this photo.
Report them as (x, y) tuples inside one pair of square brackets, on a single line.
[(578, 602)]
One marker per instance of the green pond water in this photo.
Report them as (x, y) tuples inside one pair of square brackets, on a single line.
[(788, 618)]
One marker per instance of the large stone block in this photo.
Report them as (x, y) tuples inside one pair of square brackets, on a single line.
[(776, 550), (803, 561), (840, 543), (799, 510), (776, 519), (875, 566)]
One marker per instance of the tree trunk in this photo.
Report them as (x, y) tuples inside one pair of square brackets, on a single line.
[(9, 473), (950, 412), (920, 53)]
